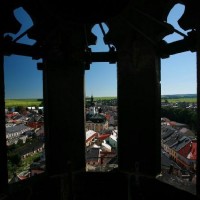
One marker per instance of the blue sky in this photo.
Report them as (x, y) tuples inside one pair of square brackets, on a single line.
[(23, 80), (178, 72)]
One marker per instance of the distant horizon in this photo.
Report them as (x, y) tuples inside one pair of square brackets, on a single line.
[(39, 98), (180, 94)]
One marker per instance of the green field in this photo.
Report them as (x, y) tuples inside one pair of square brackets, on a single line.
[(104, 98), (37, 102), (176, 100), (22, 102)]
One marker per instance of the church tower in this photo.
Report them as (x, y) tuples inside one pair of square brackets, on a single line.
[(92, 109), (92, 100)]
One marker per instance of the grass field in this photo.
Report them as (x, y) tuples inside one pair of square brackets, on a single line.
[(175, 100), (22, 102), (104, 98), (37, 102)]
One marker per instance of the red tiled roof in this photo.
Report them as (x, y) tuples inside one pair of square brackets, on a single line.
[(103, 136), (22, 177), (172, 123), (193, 153)]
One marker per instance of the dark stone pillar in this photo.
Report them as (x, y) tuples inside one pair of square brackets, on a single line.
[(136, 37), (64, 105), (198, 111), (3, 147), (64, 111), (139, 107)]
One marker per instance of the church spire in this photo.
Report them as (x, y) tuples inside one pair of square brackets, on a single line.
[(92, 100)]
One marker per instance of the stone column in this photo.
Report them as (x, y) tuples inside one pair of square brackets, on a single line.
[(3, 147), (198, 111), (63, 79), (139, 97), (139, 107)]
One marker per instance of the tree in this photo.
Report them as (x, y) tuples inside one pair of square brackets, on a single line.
[(14, 158), (181, 115)]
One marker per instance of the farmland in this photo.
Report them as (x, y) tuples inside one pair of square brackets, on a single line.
[(189, 98), (104, 98), (38, 102), (22, 102)]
